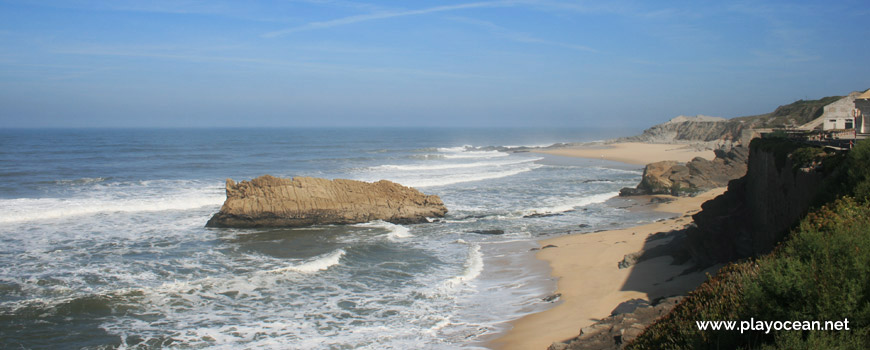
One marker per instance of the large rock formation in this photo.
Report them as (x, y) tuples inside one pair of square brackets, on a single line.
[(757, 210), (623, 325), (671, 177), (700, 130), (269, 201)]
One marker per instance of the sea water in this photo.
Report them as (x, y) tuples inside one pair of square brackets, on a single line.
[(103, 244)]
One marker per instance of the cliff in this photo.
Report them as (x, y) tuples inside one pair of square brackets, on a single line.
[(671, 177), (783, 180), (269, 201), (757, 210), (714, 132), (791, 115)]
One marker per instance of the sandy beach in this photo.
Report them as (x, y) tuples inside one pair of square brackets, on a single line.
[(633, 152), (592, 285), (589, 280)]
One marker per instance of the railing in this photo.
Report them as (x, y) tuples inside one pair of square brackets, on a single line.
[(838, 139)]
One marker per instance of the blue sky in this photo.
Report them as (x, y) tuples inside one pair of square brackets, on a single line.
[(522, 63)]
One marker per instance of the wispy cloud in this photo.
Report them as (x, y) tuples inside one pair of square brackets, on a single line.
[(620, 8), (265, 63), (249, 11), (385, 15), (521, 37), (344, 4)]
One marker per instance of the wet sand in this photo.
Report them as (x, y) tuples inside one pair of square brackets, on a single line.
[(591, 283)]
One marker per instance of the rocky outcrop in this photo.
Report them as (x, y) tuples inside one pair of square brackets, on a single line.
[(711, 132), (757, 210), (269, 201), (698, 175), (625, 323)]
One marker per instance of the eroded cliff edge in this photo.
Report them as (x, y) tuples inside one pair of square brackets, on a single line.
[(268, 201), (757, 210)]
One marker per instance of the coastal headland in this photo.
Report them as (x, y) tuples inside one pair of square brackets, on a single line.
[(641, 287)]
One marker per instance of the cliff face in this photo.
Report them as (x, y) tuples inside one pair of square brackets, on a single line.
[(269, 201), (756, 211), (695, 129), (716, 132), (791, 115), (671, 177)]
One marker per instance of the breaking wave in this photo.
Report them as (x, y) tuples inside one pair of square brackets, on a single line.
[(318, 263)]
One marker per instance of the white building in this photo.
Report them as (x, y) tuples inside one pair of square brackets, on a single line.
[(840, 114)]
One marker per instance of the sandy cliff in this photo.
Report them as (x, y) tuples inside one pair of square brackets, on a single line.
[(269, 201)]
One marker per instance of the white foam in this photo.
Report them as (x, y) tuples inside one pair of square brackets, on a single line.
[(447, 166), (461, 178), (82, 181), (572, 203), (540, 145), (394, 231), (476, 154), (472, 268), (623, 171), (468, 151), (96, 195), (31, 209), (319, 263), (453, 149)]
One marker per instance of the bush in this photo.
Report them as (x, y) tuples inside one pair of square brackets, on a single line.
[(858, 170), (806, 156), (822, 273)]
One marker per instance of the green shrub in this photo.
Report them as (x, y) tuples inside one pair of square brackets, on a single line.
[(780, 147), (805, 156), (822, 273), (858, 170)]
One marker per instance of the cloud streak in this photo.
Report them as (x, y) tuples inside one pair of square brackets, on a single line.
[(385, 15), (292, 66), (522, 37)]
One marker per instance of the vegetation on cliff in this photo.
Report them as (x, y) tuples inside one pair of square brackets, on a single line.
[(821, 272), (794, 114), (715, 131)]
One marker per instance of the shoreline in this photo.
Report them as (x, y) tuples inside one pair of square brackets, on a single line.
[(591, 284), (585, 264)]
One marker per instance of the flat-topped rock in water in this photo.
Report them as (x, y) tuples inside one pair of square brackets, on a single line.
[(268, 201)]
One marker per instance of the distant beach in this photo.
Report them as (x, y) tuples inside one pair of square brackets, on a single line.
[(632, 152)]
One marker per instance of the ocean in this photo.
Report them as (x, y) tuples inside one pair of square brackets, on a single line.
[(103, 244)]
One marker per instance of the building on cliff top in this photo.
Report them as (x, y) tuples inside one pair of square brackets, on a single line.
[(840, 114), (861, 113)]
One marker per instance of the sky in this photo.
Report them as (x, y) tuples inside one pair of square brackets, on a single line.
[(514, 63)]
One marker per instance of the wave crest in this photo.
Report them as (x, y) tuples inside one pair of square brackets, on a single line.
[(318, 263)]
